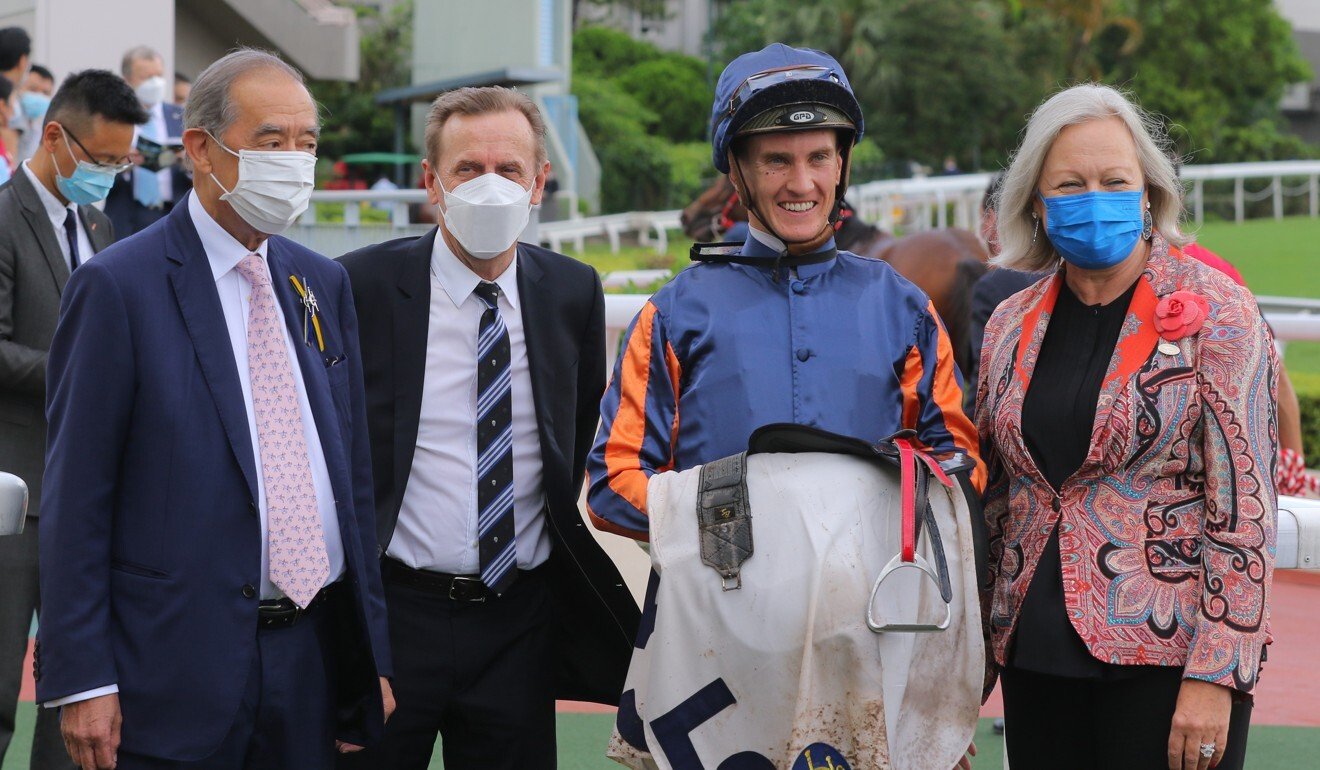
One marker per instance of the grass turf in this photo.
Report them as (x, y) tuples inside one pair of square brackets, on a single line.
[(1279, 258)]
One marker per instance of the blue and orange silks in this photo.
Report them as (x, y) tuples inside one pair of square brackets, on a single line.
[(846, 345)]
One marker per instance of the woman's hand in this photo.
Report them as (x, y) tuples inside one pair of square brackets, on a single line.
[(1201, 717)]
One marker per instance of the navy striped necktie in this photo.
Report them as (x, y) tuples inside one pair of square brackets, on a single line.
[(495, 535)]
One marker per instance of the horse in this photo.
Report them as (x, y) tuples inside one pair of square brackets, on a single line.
[(945, 264)]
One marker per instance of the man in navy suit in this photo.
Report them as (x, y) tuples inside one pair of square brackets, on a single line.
[(142, 195), (210, 587)]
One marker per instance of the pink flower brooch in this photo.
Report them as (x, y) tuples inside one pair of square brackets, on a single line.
[(1181, 314)]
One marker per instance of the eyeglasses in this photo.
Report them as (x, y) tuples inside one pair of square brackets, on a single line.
[(763, 80), (117, 168)]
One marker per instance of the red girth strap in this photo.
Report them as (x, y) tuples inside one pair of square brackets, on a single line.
[(907, 463)]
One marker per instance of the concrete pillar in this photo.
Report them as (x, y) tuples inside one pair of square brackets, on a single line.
[(74, 35)]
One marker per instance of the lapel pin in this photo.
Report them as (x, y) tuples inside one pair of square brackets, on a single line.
[(311, 312), (1169, 349)]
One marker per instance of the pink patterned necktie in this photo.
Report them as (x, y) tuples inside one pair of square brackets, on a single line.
[(298, 561)]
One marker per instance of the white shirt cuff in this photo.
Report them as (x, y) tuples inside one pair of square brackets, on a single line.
[(109, 689)]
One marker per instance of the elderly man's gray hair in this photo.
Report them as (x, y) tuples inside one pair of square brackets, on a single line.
[(209, 106), (137, 53)]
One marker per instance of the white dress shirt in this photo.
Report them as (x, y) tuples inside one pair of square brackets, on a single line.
[(437, 527), (224, 253), (161, 135), (57, 212)]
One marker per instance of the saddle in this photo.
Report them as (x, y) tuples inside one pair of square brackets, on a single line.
[(725, 518)]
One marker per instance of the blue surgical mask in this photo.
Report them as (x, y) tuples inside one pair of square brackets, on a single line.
[(34, 105), (90, 183), (1094, 230)]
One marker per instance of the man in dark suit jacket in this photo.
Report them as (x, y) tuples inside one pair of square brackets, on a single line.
[(485, 362), (142, 195), (209, 574), (43, 237)]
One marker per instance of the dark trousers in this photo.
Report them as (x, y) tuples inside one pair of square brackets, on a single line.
[(286, 719), (18, 598), (1124, 723), (478, 674)]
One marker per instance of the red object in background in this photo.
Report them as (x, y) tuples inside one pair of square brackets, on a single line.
[(1201, 254)]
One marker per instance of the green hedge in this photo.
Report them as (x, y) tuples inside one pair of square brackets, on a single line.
[(1307, 385)]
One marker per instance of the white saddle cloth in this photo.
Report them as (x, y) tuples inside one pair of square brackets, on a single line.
[(783, 674)]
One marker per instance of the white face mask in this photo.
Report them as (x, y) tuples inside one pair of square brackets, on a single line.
[(151, 91), (487, 214), (273, 189)]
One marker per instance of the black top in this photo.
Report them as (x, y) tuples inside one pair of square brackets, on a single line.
[(1058, 413), (990, 290)]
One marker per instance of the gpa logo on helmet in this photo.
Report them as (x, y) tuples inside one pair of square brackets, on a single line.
[(803, 116)]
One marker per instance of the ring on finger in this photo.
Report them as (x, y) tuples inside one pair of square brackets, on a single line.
[(1207, 750)]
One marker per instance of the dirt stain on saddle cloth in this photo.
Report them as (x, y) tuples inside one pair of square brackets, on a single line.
[(856, 728)]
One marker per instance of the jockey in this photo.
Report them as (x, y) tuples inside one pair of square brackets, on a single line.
[(782, 327)]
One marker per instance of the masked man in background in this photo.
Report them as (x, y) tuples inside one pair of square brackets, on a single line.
[(148, 190), (485, 362)]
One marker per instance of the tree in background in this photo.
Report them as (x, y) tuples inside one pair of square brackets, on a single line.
[(935, 77), (959, 77), (353, 122), (645, 112), (1217, 69)]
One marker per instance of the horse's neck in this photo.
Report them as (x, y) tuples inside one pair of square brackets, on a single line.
[(863, 239)]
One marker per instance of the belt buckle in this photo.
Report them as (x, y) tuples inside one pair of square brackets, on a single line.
[(460, 580)]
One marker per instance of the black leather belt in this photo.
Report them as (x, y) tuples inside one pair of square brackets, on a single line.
[(283, 613), (459, 588)]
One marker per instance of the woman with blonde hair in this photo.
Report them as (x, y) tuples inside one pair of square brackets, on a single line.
[(1126, 406)]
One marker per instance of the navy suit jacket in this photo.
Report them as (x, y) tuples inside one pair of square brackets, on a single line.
[(121, 206), (150, 538)]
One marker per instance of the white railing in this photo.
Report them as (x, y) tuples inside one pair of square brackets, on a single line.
[(350, 230), (934, 202), (894, 204)]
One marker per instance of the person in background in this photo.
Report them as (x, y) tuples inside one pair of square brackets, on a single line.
[(33, 100), (1126, 410), (485, 361), (998, 283), (1290, 474), (210, 591), (182, 87), (142, 195), (15, 53), (48, 227), (6, 115)]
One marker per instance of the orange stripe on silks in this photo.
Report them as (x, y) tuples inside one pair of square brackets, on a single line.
[(949, 398), (913, 368), (1134, 349), (623, 449), (1029, 323), (615, 529), (675, 377)]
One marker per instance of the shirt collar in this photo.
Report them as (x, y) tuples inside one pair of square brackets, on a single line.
[(762, 244), (223, 251), (54, 209), (459, 282)]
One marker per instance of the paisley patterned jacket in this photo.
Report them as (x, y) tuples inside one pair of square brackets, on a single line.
[(1167, 530)]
